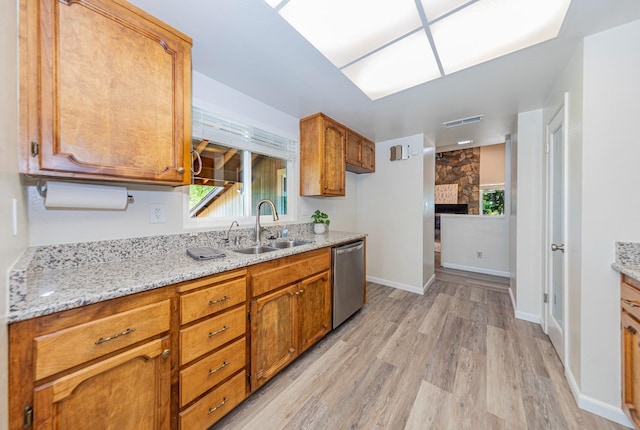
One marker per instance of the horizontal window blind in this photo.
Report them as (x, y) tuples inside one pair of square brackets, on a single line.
[(240, 136)]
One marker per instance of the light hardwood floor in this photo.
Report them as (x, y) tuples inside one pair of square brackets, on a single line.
[(455, 358)]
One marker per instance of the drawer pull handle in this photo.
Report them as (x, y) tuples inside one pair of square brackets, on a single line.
[(630, 303), (107, 339), (222, 366), (222, 299), (219, 405), (213, 333)]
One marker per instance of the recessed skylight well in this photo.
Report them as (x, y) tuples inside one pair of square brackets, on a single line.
[(383, 46)]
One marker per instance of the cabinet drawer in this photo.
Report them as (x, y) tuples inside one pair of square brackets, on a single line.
[(289, 271), (76, 345), (630, 300), (214, 405), (207, 373), (208, 301), (212, 333)]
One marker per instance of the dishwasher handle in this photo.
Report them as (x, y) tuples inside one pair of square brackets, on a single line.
[(350, 248)]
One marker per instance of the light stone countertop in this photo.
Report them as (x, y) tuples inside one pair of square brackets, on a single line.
[(628, 259), (56, 278)]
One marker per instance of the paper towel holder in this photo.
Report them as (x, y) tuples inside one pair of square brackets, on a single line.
[(41, 186)]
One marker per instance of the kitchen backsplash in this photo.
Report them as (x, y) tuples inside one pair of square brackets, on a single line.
[(84, 253)]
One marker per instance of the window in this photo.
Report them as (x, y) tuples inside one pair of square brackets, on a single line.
[(235, 166), (492, 202)]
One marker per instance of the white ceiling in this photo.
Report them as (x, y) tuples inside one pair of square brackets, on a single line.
[(246, 45)]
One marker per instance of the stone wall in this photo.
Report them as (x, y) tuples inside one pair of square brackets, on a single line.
[(461, 167)]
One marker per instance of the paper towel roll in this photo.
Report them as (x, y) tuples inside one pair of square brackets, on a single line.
[(84, 196)]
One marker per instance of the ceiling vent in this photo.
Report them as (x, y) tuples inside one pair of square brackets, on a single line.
[(463, 121)]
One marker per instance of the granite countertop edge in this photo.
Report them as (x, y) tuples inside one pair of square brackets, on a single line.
[(632, 271), (627, 259), (34, 293)]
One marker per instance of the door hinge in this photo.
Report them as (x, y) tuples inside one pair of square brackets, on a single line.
[(249, 379), (28, 417), (249, 316), (35, 148), (545, 298)]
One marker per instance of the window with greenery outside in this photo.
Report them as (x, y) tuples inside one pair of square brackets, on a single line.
[(492, 202)]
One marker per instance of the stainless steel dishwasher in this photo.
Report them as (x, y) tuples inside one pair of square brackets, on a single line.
[(348, 280)]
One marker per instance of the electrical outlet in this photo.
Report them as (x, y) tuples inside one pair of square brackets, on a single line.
[(479, 254), (156, 214)]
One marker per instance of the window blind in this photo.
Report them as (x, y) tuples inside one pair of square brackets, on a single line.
[(236, 135)]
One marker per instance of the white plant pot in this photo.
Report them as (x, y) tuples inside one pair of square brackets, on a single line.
[(319, 228)]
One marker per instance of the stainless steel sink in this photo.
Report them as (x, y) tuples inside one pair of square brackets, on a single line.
[(255, 250), (288, 243)]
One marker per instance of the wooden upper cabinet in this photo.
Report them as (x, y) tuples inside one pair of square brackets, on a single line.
[(322, 156), (105, 92), (360, 154)]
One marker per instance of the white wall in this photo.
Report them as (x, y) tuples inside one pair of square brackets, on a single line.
[(529, 229), (610, 155), (342, 211), (390, 211), (463, 236), (11, 246), (68, 226)]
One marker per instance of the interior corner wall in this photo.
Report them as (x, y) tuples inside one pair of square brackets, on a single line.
[(531, 210), (390, 212), (610, 155), (12, 244)]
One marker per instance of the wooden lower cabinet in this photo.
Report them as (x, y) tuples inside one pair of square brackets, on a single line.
[(131, 390), (291, 316), (274, 341), (630, 343), (178, 357), (101, 366)]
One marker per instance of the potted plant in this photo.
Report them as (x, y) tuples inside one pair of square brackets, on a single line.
[(320, 221)]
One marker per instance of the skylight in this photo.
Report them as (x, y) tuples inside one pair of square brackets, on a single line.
[(386, 46)]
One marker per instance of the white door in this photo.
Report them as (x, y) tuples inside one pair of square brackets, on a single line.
[(556, 197)]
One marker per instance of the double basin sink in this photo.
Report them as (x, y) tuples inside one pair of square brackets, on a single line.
[(273, 246)]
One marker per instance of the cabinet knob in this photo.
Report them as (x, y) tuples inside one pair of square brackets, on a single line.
[(180, 169), (165, 353)]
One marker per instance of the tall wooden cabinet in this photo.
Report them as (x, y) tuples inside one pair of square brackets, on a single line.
[(630, 343), (105, 92), (322, 161), (290, 311)]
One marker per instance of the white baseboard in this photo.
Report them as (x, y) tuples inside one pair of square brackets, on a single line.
[(513, 299), (477, 270), (528, 317), (398, 285), (605, 410), (431, 280)]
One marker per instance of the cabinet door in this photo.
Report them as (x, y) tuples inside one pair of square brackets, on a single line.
[(334, 164), (274, 339), (631, 367), (108, 89), (314, 309), (353, 150), (131, 390), (368, 156)]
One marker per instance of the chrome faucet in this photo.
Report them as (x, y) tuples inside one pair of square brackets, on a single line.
[(258, 227), (228, 239)]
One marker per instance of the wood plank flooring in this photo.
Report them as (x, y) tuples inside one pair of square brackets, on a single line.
[(455, 358)]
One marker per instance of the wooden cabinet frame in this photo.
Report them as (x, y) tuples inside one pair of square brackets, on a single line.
[(127, 118)]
